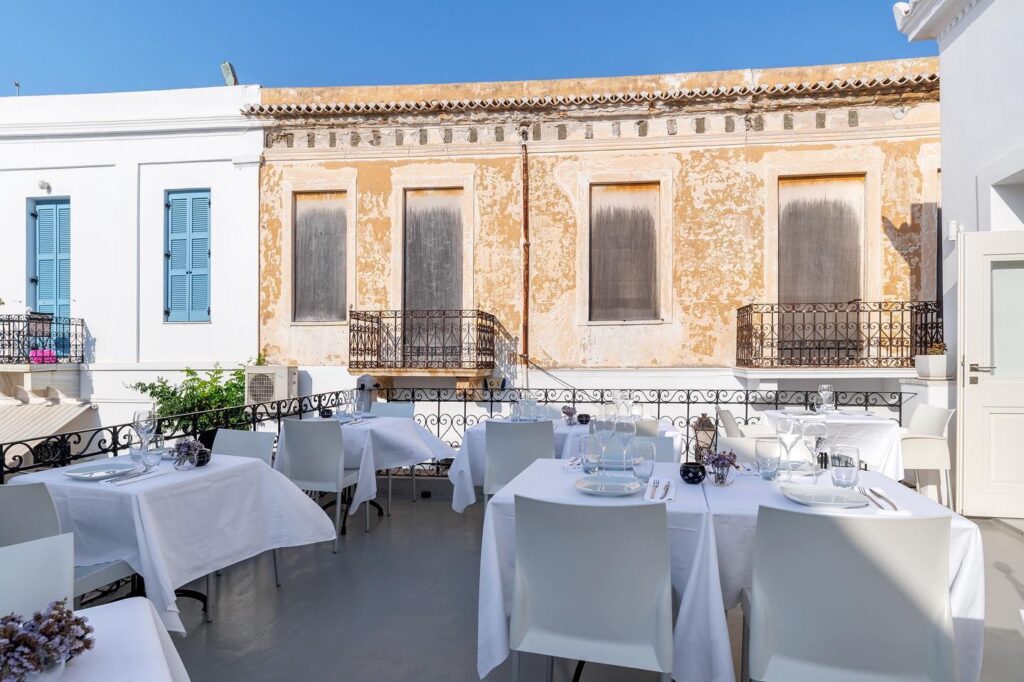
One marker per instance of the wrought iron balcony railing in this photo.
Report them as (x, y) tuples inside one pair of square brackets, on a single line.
[(41, 339), (856, 334), (423, 340)]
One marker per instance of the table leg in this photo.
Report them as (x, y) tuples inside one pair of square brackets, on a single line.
[(389, 492)]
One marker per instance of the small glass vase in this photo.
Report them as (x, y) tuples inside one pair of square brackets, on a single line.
[(721, 475), (185, 462)]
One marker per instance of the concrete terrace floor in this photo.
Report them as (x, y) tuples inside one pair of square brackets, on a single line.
[(400, 603)]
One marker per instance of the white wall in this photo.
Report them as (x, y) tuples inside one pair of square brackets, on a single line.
[(114, 156)]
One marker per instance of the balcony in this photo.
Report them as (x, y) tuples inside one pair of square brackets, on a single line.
[(460, 343), (858, 334), (41, 339)]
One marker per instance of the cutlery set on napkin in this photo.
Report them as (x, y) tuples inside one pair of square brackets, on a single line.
[(135, 476), (660, 490)]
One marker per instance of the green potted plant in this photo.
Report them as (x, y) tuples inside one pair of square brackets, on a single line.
[(935, 364)]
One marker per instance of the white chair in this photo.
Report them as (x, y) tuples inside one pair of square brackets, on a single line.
[(511, 447), (728, 422), (925, 447), (664, 447), (27, 512), (394, 409), (254, 444), (37, 572), (881, 610), (562, 605), (316, 462), (647, 427)]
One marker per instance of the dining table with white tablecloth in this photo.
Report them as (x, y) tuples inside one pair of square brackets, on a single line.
[(877, 438), (711, 546), (467, 470), (173, 527), (130, 643), (373, 443)]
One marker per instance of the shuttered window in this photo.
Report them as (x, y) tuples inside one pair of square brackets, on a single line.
[(624, 252), (433, 249), (52, 278), (320, 259), (187, 257)]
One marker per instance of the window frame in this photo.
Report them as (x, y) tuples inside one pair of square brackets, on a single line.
[(165, 315)]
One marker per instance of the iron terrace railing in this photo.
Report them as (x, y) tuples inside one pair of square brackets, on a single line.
[(446, 412), (855, 334), (40, 338)]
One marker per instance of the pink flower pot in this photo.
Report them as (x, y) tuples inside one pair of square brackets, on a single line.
[(42, 356)]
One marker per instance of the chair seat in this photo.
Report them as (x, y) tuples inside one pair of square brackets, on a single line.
[(89, 578), (350, 478)]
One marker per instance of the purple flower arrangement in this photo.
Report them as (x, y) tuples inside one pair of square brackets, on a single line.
[(721, 465), (569, 412), (46, 639)]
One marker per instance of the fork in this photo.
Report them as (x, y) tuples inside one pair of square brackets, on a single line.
[(864, 491), (653, 485)]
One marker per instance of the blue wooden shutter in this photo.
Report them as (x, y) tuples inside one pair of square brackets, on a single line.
[(199, 258), (188, 257), (46, 258), (63, 259)]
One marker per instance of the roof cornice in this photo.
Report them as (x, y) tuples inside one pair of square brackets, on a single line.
[(926, 81), (930, 19)]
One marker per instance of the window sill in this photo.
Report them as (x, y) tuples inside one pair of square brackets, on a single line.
[(177, 322), (622, 323), (325, 323)]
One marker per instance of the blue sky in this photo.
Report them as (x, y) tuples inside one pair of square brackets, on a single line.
[(71, 46)]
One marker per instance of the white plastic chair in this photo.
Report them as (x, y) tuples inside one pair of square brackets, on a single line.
[(37, 572), (664, 447), (880, 610), (562, 605), (316, 462), (925, 447), (647, 427), (394, 409), (511, 447), (27, 512), (254, 444), (728, 422)]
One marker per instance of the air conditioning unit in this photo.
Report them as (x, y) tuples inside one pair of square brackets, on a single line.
[(267, 383)]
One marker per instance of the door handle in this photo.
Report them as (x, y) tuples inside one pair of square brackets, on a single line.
[(976, 368)]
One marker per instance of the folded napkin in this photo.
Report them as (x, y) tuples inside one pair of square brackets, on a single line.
[(660, 490)]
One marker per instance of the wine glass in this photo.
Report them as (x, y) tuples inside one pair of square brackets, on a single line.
[(827, 395), (815, 436), (604, 426), (789, 431), (144, 423), (625, 432), (636, 411)]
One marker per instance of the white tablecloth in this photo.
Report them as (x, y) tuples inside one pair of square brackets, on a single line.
[(467, 470), (375, 444), (877, 438), (711, 536), (734, 510), (183, 525), (691, 545), (129, 644)]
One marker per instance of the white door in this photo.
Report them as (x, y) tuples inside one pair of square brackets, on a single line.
[(991, 374)]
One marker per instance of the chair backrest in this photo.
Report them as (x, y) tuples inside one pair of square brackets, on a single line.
[(664, 447), (647, 427), (929, 420), (393, 409), (316, 453), (27, 513), (512, 447), (728, 422), (884, 611), (254, 444), (37, 572), (561, 565)]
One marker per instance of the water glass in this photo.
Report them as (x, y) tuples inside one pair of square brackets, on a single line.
[(135, 453), (636, 411), (642, 456), (844, 464), (768, 456), (151, 457), (827, 396), (588, 449), (517, 411)]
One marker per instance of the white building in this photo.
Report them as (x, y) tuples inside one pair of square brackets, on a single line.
[(136, 213), (982, 112)]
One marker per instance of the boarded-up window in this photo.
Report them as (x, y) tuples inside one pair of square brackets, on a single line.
[(820, 223), (624, 252), (321, 227), (433, 249)]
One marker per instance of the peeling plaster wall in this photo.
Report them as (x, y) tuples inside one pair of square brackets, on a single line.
[(718, 168)]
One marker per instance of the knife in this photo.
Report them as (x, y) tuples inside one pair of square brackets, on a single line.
[(130, 474), (880, 493), (664, 493)]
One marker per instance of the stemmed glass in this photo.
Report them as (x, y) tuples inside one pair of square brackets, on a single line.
[(604, 426), (144, 423), (625, 432), (827, 396), (789, 431), (815, 437), (636, 411)]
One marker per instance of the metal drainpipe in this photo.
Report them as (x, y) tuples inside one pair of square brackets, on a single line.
[(524, 136)]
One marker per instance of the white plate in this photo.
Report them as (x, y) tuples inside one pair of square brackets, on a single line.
[(608, 486), (815, 496), (98, 471)]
